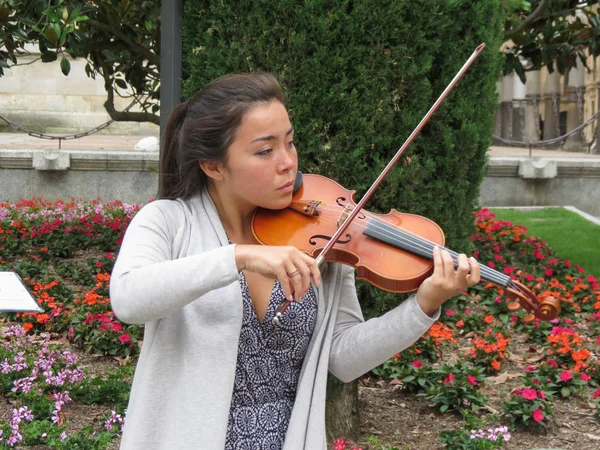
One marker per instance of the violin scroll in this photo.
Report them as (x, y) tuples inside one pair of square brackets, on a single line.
[(520, 296)]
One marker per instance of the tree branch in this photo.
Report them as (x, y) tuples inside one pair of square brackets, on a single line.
[(530, 18), (123, 116), (143, 51)]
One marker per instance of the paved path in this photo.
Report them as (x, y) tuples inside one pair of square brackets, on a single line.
[(94, 142), (100, 141)]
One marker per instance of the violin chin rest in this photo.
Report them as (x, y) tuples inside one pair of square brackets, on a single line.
[(298, 181)]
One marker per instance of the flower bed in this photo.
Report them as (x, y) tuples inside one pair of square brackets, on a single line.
[(65, 253)]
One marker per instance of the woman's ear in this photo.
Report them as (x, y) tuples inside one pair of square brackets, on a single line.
[(212, 170)]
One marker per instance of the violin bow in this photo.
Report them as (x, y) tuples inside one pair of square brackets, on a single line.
[(321, 257)]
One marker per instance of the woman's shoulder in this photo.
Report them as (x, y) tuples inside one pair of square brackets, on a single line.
[(162, 213)]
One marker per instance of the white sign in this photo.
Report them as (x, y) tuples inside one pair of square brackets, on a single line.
[(14, 296)]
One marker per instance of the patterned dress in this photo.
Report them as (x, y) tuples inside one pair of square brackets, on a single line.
[(269, 361)]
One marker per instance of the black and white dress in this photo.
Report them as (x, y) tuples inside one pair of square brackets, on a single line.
[(269, 361)]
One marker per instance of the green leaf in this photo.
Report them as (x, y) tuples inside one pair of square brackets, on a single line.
[(49, 56), (565, 391), (65, 66), (444, 408)]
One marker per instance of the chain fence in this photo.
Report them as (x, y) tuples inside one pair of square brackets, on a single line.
[(64, 137), (558, 140)]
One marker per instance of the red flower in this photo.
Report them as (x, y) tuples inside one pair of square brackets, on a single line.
[(124, 338), (339, 444), (585, 378), (537, 415), (529, 394), (566, 375), (472, 380), (531, 368), (417, 364), (450, 312), (99, 264), (596, 394), (449, 379), (548, 272)]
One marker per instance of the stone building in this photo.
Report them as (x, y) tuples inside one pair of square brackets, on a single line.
[(550, 105), (38, 96)]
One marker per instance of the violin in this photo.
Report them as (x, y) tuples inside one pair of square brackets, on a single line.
[(392, 251)]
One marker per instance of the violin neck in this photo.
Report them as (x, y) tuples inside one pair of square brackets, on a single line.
[(416, 245)]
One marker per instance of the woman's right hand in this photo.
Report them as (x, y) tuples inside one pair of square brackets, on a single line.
[(289, 265)]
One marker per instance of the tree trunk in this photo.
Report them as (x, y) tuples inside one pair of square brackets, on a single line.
[(342, 417)]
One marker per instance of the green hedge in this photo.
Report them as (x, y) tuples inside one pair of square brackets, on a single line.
[(359, 76)]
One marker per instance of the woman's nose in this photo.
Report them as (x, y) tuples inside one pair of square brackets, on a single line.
[(287, 161)]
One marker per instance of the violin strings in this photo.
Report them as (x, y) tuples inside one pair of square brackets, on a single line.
[(423, 247)]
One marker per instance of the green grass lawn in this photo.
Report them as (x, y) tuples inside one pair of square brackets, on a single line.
[(571, 236)]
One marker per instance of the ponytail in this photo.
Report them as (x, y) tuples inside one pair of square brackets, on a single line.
[(169, 174)]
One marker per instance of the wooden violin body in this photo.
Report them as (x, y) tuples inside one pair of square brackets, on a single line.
[(392, 251)]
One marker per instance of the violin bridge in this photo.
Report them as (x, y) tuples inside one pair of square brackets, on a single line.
[(343, 216), (306, 207)]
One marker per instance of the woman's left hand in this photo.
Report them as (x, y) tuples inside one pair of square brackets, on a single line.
[(446, 281)]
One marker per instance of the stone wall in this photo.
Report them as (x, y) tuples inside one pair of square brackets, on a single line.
[(38, 96)]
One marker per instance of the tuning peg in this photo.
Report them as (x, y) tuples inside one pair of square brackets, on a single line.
[(529, 318), (514, 306)]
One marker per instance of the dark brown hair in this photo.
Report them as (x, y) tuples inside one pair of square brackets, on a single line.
[(203, 128)]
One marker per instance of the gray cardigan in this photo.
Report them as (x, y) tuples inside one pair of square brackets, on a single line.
[(176, 273)]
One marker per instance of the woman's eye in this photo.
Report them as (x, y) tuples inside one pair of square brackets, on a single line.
[(291, 144), (264, 152)]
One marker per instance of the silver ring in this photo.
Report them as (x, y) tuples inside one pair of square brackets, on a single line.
[(295, 272)]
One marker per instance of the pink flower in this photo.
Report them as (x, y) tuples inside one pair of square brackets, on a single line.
[(548, 272), (508, 270), (124, 338), (117, 327), (542, 395), (531, 368), (471, 379), (449, 379), (552, 363), (537, 415), (99, 264), (339, 444), (529, 394), (417, 364), (585, 378), (450, 312), (596, 394), (566, 375)]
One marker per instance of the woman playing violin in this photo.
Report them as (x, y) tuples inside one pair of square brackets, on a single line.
[(215, 371)]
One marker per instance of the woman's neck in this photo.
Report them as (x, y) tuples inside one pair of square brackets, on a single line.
[(236, 219)]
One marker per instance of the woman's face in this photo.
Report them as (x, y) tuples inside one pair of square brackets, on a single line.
[(262, 161)]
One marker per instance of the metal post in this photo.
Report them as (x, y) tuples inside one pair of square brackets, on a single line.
[(170, 59)]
